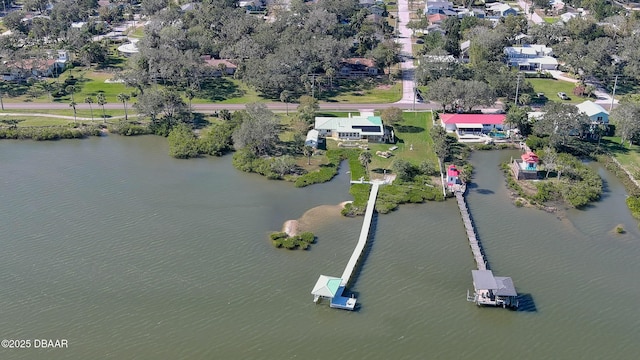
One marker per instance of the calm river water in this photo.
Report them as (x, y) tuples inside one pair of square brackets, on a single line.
[(129, 254)]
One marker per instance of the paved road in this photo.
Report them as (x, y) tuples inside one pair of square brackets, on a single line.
[(525, 6), (404, 39), (207, 108)]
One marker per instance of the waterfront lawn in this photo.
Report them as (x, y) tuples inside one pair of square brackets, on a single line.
[(628, 156), (413, 130), (551, 88)]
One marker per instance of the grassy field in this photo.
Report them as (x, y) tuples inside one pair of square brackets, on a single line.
[(628, 156), (226, 90), (551, 88), (379, 94)]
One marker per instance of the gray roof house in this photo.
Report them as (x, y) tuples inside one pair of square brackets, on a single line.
[(595, 112)]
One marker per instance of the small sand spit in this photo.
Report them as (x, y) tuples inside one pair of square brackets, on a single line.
[(311, 217)]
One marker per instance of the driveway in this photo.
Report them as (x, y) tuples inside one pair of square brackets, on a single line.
[(602, 95)]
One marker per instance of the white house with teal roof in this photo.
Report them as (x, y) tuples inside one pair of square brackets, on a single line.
[(365, 126)]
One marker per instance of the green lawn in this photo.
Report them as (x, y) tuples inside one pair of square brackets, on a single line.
[(551, 20), (551, 88), (414, 130), (628, 156), (97, 112), (137, 32), (379, 94), (226, 90)]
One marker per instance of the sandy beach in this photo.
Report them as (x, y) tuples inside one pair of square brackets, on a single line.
[(313, 217)]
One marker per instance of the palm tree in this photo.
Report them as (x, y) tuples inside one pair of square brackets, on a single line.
[(70, 89), (190, 94), (102, 100), (365, 159), (308, 151), (284, 97), (124, 98), (331, 73), (72, 104), (89, 101)]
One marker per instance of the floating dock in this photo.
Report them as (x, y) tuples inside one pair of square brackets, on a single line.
[(489, 290), (333, 287)]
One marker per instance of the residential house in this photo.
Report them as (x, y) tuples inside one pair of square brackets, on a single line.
[(436, 19), (475, 12), (51, 66), (500, 10), (439, 7), (218, 66), (437, 59), (358, 67), (377, 10), (568, 16), (312, 138), (362, 127), (472, 127), (595, 112), (531, 57), (188, 7), (251, 5)]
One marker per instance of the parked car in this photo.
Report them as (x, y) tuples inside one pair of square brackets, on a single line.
[(563, 96)]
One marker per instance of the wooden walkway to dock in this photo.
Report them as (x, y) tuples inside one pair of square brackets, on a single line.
[(471, 233), (326, 286), (364, 236)]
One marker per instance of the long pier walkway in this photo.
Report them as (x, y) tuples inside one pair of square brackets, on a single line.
[(332, 287), (364, 236), (481, 262), (489, 290)]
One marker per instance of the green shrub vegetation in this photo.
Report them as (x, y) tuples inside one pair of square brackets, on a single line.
[(49, 133), (577, 186), (390, 196), (328, 171), (127, 128), (302, 241), (633, 202), (183, 143)]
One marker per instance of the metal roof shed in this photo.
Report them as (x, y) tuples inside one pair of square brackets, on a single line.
[(484, 280)]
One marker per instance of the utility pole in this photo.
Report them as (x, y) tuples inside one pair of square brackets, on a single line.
[(517, 88), (613, 94)]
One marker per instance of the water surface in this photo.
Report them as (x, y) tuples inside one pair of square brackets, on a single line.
[(130, 254)]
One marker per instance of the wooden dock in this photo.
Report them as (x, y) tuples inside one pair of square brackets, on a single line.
[(324, 288), (479, 257), (489, 290), (364, 236)]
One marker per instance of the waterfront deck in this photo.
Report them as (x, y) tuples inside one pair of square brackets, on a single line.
[(489, 290), (339, 301)]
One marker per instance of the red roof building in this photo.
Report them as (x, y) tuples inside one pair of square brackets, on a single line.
[(530, 157), (472, 127), (453, 175)]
